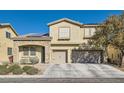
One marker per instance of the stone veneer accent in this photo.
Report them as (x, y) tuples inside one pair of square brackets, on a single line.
[(46, 44)]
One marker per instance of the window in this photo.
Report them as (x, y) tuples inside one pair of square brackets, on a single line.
[(32, 51), (29, 51), (89, 32), (8, 35), (92, 31), (9, 50), (64, 33), (26, 51)]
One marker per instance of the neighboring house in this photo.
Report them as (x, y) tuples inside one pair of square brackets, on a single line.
[(6, 44), (64, 36)]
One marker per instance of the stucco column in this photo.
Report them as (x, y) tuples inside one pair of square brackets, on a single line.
[(16, 53), (69, 56), (47, 54)]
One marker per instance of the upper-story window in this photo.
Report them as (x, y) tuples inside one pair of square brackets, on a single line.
[(89, 32), (8, 35), (64, 33)]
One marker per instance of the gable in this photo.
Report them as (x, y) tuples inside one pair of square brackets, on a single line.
[(9, 27), (65, 20)]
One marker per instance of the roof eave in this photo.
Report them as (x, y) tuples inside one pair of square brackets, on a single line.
[(8, 24), (61, 20)]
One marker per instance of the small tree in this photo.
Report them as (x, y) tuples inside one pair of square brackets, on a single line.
[(111, 32)]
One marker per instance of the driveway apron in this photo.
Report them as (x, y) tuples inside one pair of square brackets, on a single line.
[(82, 71)]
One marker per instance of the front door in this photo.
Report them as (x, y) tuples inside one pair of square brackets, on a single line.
[(59, 57)]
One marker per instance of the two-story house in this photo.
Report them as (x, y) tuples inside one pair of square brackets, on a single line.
[(66, 35), (56, 46), (6, 44)]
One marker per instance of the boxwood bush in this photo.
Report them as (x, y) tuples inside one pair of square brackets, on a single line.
[(15, 69), (5, 63), (26, 68), (30, 70), (3, 70)]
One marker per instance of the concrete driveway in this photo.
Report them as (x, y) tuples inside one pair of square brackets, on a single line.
[(82, 71)]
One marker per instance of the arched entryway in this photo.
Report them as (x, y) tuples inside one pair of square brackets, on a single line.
[(31, 54), (29, 49)]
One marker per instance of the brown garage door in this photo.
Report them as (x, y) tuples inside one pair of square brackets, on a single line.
[(59, 57), (87, 56)]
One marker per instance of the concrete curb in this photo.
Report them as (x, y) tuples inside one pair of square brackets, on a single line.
[(21, 76)]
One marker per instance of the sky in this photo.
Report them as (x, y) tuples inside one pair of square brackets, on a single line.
[(35, 21)]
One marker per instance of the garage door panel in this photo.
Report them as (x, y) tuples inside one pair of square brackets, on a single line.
[(83, 56), (59, 57)]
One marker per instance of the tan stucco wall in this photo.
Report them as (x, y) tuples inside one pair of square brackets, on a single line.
[(76, 33), (45, 44), (38, 53), (76, 38), (5, 43)]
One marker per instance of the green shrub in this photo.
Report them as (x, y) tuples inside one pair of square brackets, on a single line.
[(3, 70), (2, 66), (13, 67), (32, 71), (5, 64), (17, 71), (26, 68), (34, 60)]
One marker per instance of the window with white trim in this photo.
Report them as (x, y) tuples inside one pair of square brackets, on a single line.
[(32, 51), (89, 32), (29, 51), (64, 33), (92, 30), (26, 51)]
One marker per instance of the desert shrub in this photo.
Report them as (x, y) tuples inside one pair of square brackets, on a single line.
[(34, 60), (32, 71), (26, 68), (3, 70), (17, 71), (13, 67), (5, 64)]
